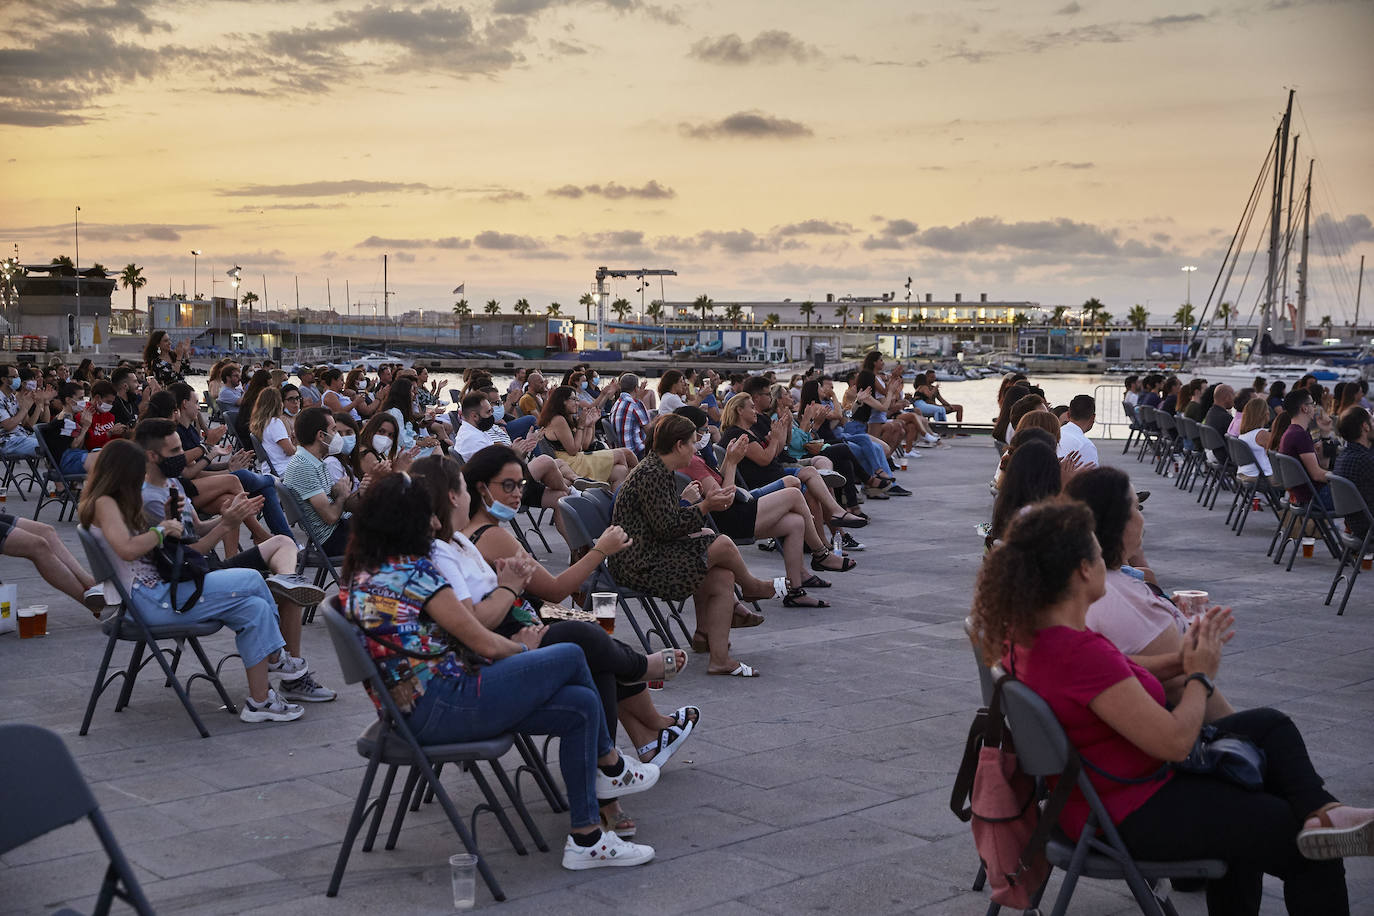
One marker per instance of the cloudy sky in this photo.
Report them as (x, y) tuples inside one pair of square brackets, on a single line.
[(1048, 151)]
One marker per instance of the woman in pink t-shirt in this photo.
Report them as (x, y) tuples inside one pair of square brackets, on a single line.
[(1032, 597)]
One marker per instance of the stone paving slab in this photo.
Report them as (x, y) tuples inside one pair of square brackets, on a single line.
[(821, 787)]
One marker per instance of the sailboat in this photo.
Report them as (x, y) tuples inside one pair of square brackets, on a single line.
[(1276, 361)]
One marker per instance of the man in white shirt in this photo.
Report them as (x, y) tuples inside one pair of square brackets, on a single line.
[(1073, 436), (475, 432), (1132, 395)]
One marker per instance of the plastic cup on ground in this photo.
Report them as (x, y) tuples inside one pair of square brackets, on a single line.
[(603, 608), (1367, 562), (40, 619), (28, 627), (4, 495), (1309, 546), (463, 870), (904, 462)]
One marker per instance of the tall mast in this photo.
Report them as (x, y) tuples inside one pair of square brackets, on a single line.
[(1275, 209), (386, 303), (1359, 287), (1300, 323), (1288, 231)]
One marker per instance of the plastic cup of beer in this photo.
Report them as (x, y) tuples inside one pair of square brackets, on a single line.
[(463, 870), (1190, 602), (28, 626), (904, 462), (4, 495), (603, 607), (1309, 546), (1367, 562), (40, 619)]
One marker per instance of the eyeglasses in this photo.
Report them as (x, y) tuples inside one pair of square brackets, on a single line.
[(294, 397), (510, 486)]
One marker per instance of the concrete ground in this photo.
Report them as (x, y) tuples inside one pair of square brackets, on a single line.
[(821, 786)]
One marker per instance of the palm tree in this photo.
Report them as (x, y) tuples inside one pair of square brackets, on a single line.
[(621, 307), (493, 307), (63, 261), (772, 320), (1059, 312), (248, 300), (1325, 324), (654, 310), (1104, 318), (843, 313), (704, 303), (807, 309), (461, 309), (733, 313), (882, 317), (1020, 319), (587, 300), (1224, 312), (1090, 309), (100, 267), (1138, 317), (132, 279), (554, 310), (522, 306), (1184, 316)]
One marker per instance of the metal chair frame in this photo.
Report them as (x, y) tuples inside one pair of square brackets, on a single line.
[(1294, 475), (1346, 498)]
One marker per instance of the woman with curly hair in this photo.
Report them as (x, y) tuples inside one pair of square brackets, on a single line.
[(1030, 611)]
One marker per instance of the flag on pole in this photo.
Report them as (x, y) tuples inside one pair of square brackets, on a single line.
[(458, 290)]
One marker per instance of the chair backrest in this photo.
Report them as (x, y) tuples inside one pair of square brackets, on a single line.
[(1346, 498), (577, 536), (1042, 748), (42, 789), (263, 457), (290, 506), (354, 662), (1167, 423), (985, 678), (1290, 470), (591, 517), (603, 503), (608, 431), (1147, 416), (1211, 439), (101, 567), (1240, 452)]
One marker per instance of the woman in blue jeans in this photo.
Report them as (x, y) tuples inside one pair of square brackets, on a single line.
[(455, 680)]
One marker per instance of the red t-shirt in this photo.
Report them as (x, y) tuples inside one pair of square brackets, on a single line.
[(100, 434), (699, 470), (1069, 668), (1296, 442)]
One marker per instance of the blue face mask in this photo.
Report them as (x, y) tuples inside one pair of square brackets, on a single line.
[(348, 443), (584, 385), (498, 412), (14, 383), (499, 511)]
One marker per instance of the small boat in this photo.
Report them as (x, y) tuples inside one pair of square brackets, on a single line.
[(657, 353)]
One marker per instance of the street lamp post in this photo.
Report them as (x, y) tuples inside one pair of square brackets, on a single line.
[(235, 278), (76, 227), (1188, 286), (195, 272)]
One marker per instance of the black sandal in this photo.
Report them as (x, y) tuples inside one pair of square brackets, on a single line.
[(814, 582), (794, 596), (818, 558)]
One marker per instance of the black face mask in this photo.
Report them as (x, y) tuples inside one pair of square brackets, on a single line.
[(173, 466), (485, 423)]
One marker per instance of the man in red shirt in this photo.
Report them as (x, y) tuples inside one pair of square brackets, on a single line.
[(104, 427), (1297, 443)]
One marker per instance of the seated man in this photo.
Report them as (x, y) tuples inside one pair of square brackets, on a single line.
[(1073, 435), (21, 410), (323, 504), (629, 416), (1219, 417), (1356, 461), (231, 387), (39, 544), (1297, 443), (931, 403), (274, 557)]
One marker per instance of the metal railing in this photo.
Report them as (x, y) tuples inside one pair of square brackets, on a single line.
[(1111, 413)]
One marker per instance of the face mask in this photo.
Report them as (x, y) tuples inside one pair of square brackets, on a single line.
[(337, 445), (596, 380), (106, 408), (703, 440), (486, 423), (289, 412), (498, 412), (349, 443), (583, 385), (382, 444), (499, 511), (31, 385), (173, 466), (14, 383), (362, 384)]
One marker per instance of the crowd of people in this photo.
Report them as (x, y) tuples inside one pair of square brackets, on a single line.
[(1068, 603)]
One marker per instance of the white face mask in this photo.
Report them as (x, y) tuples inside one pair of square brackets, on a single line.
[(381, 444), (336, 445), (362, 384), (703, 440)]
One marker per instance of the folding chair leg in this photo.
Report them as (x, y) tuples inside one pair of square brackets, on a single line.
[(519, 804), (355, 823), (210, 675), (98, 688), (463, 834), (407, 793), (493, 804), (1349, 586), (981, 878), (534, 765), (379, 807), (131, 671)]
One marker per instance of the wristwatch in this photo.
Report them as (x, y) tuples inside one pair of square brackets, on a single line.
[(1202, 679)]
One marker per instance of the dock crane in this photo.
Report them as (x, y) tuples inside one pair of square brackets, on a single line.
[(603, 295)]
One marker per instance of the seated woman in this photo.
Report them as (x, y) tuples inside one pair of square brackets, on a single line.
[(804, 443), (672, 555), (1033, 595), (339, 461), (1142, 624), (68, 432), (259, 383), (380, 441), (870, 453), (914, 429), (1254, 432), (415, 429), (569, 426), (112, 509), (762, 469), (1002, 426), (269, 424), (674, 391), (336, 396), (1033, 473), (483, 581), (1044, 422), (931, 403), (455, 680), (781, 514)]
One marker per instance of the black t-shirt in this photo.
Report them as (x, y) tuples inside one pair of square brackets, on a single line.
[(754, 475), (126, 411), (864, 379)]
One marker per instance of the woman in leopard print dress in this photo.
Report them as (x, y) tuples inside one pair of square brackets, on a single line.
[(672, 554)]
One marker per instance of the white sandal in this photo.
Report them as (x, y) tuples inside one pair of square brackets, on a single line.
[(741, 670)]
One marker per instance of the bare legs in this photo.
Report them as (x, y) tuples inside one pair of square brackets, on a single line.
[(39, 544), (714, 600), (279, 553), (785, 515), (724, 554)]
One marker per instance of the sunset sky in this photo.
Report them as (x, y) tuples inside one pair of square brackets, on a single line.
[(1043, 151)]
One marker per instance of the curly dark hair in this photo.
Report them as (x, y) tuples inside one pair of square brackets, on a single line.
[(1108, 493), (393, 521), (1032, 475), (1028, 572)]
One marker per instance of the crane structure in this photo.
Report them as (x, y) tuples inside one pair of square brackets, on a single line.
[(603, 294)]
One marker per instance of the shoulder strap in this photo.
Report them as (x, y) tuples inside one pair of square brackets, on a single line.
[(477, 535)]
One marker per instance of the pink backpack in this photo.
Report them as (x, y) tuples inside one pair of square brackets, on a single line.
[(1009, 827)]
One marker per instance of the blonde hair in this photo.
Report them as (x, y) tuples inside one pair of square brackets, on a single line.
[(265, 408), (1255, 415), (729, 414)]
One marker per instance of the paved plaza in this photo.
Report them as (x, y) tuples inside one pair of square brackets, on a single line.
[(822, 786)]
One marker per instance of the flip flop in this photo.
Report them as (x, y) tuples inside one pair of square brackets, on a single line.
[(740, 670)]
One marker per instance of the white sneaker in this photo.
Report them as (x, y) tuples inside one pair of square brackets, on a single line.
[(931, 437), (636, 777), (609, 851), (295, 588), (274, 710), (287, 666)]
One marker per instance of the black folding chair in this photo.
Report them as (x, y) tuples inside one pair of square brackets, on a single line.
[(14, 478), (1294, 475), (1043, 750), (1249, 489), (44, 790), (1134, 430), (390, 741), (264, 459), (1149, 430), (313, 555), (1348, 502), (1216, 471), (55, 486), (127, 625)]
